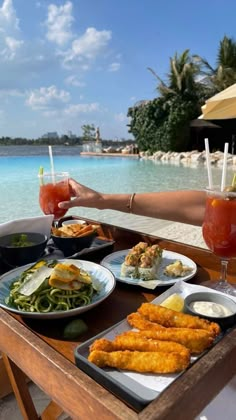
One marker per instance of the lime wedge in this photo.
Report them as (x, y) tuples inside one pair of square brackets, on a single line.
[(234, 181), (41, 170)]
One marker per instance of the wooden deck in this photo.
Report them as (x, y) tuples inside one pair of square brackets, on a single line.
[(128, 155)]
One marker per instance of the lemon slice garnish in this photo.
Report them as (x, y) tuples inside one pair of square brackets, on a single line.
[(174, 302)]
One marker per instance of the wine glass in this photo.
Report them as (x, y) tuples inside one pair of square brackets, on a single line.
[(54, 187), (219, 231)]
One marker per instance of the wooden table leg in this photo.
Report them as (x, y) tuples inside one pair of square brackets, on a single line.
[(20, 388), (23, 397), (51, 412)]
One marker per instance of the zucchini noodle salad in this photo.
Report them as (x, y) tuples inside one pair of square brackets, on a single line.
[(51, 286)]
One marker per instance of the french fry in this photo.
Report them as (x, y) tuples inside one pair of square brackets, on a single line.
[(88, 228), (74, 231)]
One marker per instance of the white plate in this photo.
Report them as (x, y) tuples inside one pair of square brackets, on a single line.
[(113, 262), (102, 277)]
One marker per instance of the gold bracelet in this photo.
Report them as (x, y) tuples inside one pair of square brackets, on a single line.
[(130, 202)]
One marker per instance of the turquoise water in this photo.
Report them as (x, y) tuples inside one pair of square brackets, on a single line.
[(19, 183)]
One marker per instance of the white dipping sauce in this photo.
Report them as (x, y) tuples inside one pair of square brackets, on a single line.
[(210, 309)]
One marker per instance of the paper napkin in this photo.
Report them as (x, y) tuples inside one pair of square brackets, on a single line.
[(41, 224)]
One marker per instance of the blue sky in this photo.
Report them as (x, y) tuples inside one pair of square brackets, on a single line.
[(65, 63)]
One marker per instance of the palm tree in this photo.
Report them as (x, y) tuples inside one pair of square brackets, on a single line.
[(224, 74), (182, 77)]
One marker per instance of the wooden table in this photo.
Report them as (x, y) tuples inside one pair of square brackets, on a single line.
[(35, 348)]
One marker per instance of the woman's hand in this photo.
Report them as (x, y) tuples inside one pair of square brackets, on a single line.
[(82, 197)]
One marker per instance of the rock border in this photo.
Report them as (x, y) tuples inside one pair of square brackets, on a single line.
[(193, 157)]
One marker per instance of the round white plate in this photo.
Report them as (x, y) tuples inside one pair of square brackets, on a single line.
[(113, 262), (102, 278)]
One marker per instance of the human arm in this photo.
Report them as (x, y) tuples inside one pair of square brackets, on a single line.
[(187, 206)]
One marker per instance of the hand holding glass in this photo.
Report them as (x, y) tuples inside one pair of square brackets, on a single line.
[(54, 187), (219, 231)]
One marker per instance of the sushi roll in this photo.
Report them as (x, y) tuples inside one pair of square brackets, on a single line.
[(142, 262), (129, 268)]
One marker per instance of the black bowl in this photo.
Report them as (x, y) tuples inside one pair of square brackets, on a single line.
[(224, 321), (14, 254), (72, 245)]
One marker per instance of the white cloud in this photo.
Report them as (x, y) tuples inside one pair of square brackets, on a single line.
[(74, 81), (8, 18), (121, 117), (13, 45), (46, 97), (74, 110), (88, 46), (114, 66), (59, 23), (9, 31)]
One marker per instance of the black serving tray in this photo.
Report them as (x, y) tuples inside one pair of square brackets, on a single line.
[(95, 253), (97, 250), (129, 389), (131, 392)]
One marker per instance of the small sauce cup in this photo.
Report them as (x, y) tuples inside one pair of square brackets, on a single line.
[(224, 321), (73, 222)]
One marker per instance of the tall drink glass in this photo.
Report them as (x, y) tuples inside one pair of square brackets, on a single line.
[(219, 231), (53, 189)]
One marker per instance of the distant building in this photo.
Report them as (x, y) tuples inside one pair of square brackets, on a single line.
[(71, 135), (51, 135)]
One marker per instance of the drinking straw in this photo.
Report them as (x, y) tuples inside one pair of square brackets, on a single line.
[(208, 163), (41, 175), (51, 163), (223, 178)]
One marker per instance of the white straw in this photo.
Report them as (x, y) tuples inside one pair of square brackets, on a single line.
[(208, 163), (223, 179), (51, 163)]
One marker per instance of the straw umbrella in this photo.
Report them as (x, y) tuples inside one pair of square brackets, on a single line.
[(200, 129), (221, 106)]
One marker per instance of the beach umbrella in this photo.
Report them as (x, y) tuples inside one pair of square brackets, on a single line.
[(221, 106), (201, 124), (201, 129)]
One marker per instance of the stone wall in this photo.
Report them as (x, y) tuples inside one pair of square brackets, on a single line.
[(190, 158)]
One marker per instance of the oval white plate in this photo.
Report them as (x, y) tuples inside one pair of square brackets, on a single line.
[(113, 262), (102, 277)]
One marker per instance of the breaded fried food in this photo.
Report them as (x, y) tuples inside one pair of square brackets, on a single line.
[(126, 342), (195, 340), (144, 362), (136, 320), (102, 344), (169, 318)]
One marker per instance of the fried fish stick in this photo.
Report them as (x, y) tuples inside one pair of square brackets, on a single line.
[(153, 362), (136, 320), (102, 344), (169, 318), (126, 342), (123, 342), (195, 340)]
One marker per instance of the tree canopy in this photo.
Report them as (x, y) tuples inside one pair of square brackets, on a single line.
[(163, 123)]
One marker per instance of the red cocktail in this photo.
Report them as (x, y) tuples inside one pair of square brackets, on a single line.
[(53, 189), (219, 230), (219, 227)]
